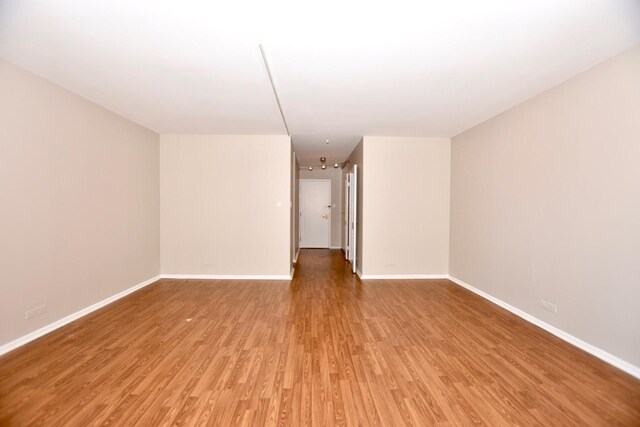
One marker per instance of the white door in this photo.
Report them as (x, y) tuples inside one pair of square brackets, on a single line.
[(352, 217), (347, 195), (315, 213)]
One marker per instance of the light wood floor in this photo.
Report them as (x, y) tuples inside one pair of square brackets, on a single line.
[(324, 349)]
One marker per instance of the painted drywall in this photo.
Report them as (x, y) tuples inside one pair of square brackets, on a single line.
[(80, 202), (296, 201), (545, 204), (357, 158), (335, 175), (295, 237), (224, 204), (406, 206)]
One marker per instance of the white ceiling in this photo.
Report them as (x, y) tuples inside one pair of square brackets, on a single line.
[(309, 148), (342, 69)]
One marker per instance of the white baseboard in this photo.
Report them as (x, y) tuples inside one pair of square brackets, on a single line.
[(12, 345), (359, 273), (335, 247), (589, 348), (403, 276), (297, 255), (226, 276)]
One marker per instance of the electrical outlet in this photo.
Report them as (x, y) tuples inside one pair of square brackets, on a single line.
[(35, 311), (549, 306)]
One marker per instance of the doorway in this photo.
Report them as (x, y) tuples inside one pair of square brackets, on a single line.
[(315, 213), (351, 211)]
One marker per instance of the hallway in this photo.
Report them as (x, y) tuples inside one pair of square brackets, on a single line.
[(324, 349)]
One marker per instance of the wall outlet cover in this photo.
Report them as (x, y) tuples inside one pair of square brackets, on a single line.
[(35, 311), (549, 306)]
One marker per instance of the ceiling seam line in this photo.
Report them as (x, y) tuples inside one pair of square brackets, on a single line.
[(273, 86)]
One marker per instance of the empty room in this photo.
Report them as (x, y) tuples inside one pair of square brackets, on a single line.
[(346, 213)]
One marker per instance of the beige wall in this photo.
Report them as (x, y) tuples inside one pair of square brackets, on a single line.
[(80, 206), (406, 206), (335, 175), (546, 205), (219, 204), (357, 158), (295, 176), (296, 204)]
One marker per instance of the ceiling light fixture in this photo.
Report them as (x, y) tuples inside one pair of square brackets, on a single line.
[(323, 165)]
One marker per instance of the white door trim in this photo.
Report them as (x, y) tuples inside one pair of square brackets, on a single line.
[(354, 195), (345, 209), (351, 213)]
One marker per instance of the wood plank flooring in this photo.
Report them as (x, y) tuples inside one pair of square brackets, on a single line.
[(324, 349)]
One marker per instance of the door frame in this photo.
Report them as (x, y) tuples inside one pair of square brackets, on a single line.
[(351, 214), (354, 221), (300, 218), (347, 205)]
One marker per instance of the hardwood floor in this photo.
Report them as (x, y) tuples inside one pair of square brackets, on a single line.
[(324, 349)]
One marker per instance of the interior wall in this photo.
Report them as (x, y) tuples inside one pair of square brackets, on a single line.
[(296, 204), (335, 175), (406, 192), (80, 202), (295, 176), (343, 211), (545, 204), (225, 204), (357, 158)]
